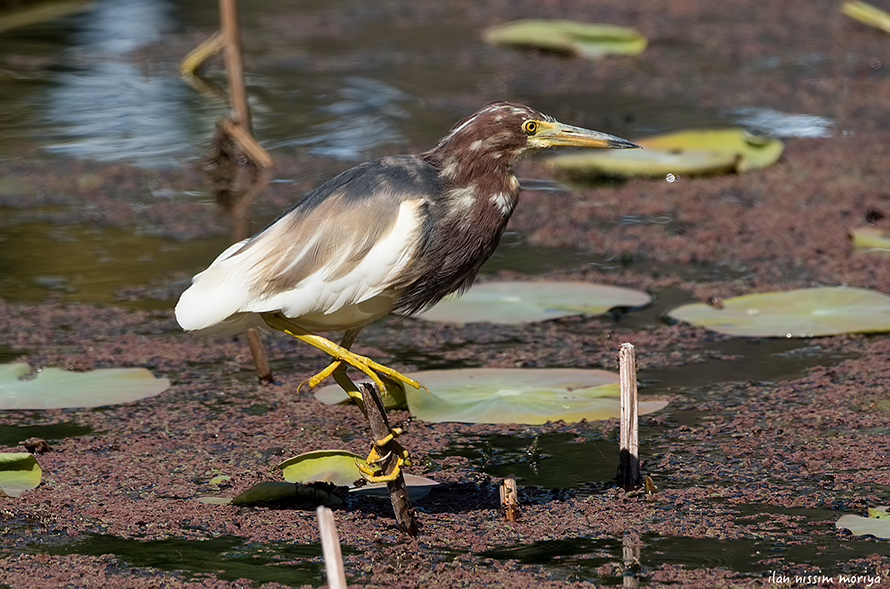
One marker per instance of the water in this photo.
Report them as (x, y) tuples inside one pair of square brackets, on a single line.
[(91, 264), (11, 435), (226, 557), (583, 558)]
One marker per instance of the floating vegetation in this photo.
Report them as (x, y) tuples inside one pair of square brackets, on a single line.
[(312, 476), (591, 40), (525, 302), (868, 14), (870, 239), (19, 472), (692, 152), (513, 395), (805, 312), (877, 523), (54, 388), (328, 466)]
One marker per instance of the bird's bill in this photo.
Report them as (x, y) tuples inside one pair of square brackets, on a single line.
[(558, 134)]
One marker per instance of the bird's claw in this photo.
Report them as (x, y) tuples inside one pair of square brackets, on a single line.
[(315, 380), (372, 469)]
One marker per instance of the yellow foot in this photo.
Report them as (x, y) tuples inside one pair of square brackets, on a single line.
[(341, 354), (372, 468), (366, 365)]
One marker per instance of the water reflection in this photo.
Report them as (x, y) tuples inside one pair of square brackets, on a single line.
[(106, 106), (364, 115)]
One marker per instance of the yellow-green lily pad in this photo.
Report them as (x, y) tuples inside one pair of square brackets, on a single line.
[(19, 472), (877, 523), (870, 239), (805, 312), (515, 395), (54, 388), (692, 152), (329, 466), (868, 14), (592, 40), (339, 468), (524, 302)]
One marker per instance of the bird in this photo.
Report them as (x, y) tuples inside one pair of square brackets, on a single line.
[(393, 235)]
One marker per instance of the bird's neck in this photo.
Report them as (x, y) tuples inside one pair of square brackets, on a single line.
[(478, 184)]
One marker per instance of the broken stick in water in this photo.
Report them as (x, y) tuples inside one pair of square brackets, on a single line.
[(330, 548), (629, 445), (510, 499)]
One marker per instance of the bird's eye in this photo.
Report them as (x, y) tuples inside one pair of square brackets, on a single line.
[(530, 127)]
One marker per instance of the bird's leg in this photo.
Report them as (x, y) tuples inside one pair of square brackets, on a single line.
[(371, 468), (340, 354)]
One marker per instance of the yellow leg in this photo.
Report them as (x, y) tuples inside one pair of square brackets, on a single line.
[(339, 353), (371, 469)]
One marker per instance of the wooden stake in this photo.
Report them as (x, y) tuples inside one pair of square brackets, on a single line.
[(330, 547), (398, 490), (228, 12), (260, 359), (510, 499), (629, 445)]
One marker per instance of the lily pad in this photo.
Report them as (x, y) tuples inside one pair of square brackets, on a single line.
[(54, 388), (329, 466), (693, 152), (868, 14), (517, 395), (339, 468), (592, 40), (805, 312), (524, 302), (870, 239), (877, 523), (19, 472)]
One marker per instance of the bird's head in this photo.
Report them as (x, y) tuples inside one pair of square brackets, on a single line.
[(505, 131)]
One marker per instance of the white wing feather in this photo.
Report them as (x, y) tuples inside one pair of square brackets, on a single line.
[(229, 286)]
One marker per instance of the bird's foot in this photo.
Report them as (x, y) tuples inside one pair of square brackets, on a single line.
[(366, 365), (372, 469)]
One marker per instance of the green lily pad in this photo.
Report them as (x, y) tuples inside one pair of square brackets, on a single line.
[(524, 302), (19, 472), (693, 152), (329, 466), (339, 467), (516, 395), (53, 388), (806, 312), (868, 14), (592, 40), (870, 239), (877, 523)]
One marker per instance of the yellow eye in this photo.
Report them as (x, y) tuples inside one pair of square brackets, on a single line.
[(530, 127)]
